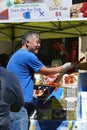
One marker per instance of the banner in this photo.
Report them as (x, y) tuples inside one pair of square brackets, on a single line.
[(40, 10)]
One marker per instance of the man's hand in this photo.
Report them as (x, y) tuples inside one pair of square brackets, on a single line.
[(68, 66)]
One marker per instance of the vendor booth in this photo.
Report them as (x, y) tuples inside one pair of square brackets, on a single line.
[(61, 100)]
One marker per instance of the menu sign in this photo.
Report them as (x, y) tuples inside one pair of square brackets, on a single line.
[(41, 10), (34, 10)]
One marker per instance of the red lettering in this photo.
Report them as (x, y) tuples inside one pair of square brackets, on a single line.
[(58, 14)]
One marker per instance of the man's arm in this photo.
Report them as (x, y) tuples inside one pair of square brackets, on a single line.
[(55, 70), (11, 90), (18, 101)]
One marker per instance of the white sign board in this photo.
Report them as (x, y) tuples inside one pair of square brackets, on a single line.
[(39, 10)]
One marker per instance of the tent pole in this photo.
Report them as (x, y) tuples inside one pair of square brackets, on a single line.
[(12, 39)]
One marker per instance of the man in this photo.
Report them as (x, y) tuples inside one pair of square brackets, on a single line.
[(24, 63), (11, 98)]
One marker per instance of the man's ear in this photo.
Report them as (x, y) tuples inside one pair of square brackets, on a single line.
[(27, 43)]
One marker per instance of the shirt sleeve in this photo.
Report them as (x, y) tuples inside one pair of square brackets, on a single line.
[(34, 62), (11, 91)]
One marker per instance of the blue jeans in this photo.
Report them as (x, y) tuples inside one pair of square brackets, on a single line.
[(19, 120)]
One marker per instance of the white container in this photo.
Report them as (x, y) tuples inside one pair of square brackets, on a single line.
[(82, 105)]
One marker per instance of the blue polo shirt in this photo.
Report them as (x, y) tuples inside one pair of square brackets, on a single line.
[(24, 64)]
